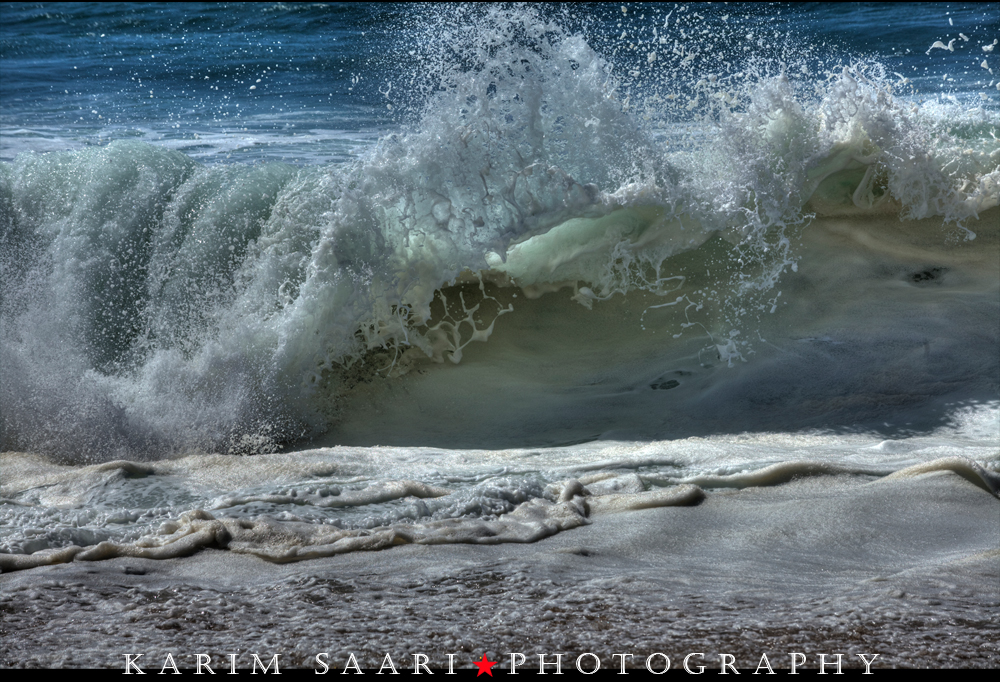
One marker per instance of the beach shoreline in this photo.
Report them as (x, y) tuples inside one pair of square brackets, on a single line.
[(914, 583)]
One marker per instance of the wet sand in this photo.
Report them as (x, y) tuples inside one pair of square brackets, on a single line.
[(903, 567)]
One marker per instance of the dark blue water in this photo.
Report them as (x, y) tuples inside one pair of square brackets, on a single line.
[(91, 73), (315, 83)]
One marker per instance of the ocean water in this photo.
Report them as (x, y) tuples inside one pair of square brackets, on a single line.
[(303, 280)]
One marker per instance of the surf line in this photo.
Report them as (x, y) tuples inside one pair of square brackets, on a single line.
[(586, 663)]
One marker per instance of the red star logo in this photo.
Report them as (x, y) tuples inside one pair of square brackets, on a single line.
[(484, 666)]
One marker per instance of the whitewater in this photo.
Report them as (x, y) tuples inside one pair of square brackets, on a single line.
[(660, 324)]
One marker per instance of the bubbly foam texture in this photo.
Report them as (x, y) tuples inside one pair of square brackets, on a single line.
[(154, 305), (307, 504)]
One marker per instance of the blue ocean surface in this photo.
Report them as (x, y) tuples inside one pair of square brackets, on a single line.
[(316, 83)]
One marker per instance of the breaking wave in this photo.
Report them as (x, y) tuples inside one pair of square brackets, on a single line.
[(154, 305)]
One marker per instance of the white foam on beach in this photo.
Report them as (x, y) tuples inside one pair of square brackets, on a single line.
[(825, 563), (327, 501)]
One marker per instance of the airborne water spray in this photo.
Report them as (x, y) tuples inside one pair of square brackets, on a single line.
[(153, 305)]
